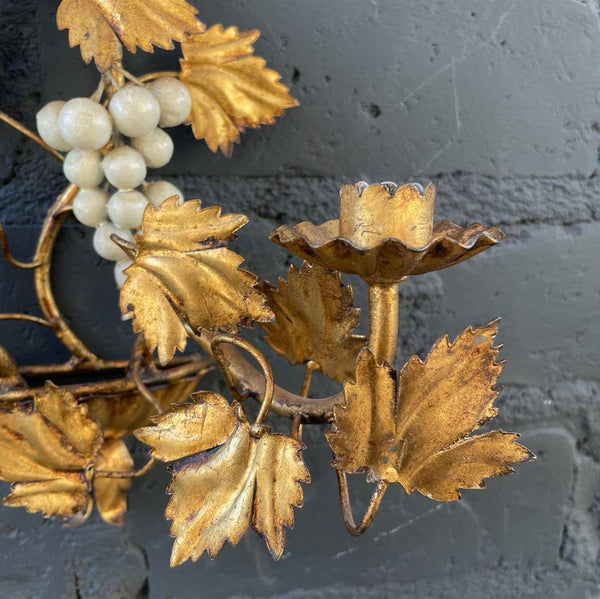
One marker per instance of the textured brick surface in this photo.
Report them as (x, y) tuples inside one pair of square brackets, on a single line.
[(498, 103)]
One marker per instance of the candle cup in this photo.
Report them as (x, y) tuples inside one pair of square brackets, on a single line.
[(371, 213)]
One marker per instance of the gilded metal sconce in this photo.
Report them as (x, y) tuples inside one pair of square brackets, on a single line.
[(62, 446)]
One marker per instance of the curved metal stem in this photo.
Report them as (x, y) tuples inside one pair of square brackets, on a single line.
[(311, 368), (141, 387), (41, 265), (127, 74), (31, 135), (9, 257), (351, 526), (248, 382), (27, 318), (224, 364), (126, 473), (42, 276), (157, 74)]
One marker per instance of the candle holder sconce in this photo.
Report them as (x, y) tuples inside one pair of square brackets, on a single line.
[(62, 445)]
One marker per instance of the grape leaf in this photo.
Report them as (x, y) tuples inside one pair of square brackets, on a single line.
[(111, 493), (413, 428), (120, 415), (231, 90), (224, 479), (101, 27), (9, 373), (47, 450), (183, 272), (314, 320)]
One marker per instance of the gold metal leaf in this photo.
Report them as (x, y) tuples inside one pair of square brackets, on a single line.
[(99, 27), (413, 428), (9, 373), (244, 479), (314, 320), (190, 428), (231, 90), (120, 415), (45, 450), (111, 493), (390, 259), (183, 272)]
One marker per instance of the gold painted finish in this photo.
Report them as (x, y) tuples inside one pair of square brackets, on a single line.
[(102, 27), (62, 447), (314, 320), (182, 272), (397, 239), (231, 89), (251, 477), (383, 321), (370, 213), (414, 428), (49, 451), (111, 494), (42, 275), (390, 260)]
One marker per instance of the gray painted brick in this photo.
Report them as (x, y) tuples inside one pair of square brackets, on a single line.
[(498, 104), (455, 84), (545, 283)]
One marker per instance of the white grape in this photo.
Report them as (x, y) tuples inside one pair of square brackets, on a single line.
[(156, 147), (84, 124), (105, 246), (84, 168), (158, 191), (126, 209), (89, 206), (120, 276), (174, 99), (47, 126), (124, 167), (135, 110)]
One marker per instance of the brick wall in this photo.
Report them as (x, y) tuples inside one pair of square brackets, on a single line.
[(498, 103)]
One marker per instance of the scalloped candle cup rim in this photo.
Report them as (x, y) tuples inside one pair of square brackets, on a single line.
[(286, 234)]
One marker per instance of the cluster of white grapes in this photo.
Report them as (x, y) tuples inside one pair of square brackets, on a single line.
[(83, 127)]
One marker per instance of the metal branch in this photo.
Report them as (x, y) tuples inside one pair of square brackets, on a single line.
[(43, 280), (248, 382), (354, 529), (141, 387), (76, 366), (127, 75), (311, 368), (224, 364), (126, 473), (151, 76), (31, 135), (127, 246), (296, 428), (27, 318), (10, 258), (119, 386)]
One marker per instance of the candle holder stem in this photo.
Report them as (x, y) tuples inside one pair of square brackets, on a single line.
[(383, 321)]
